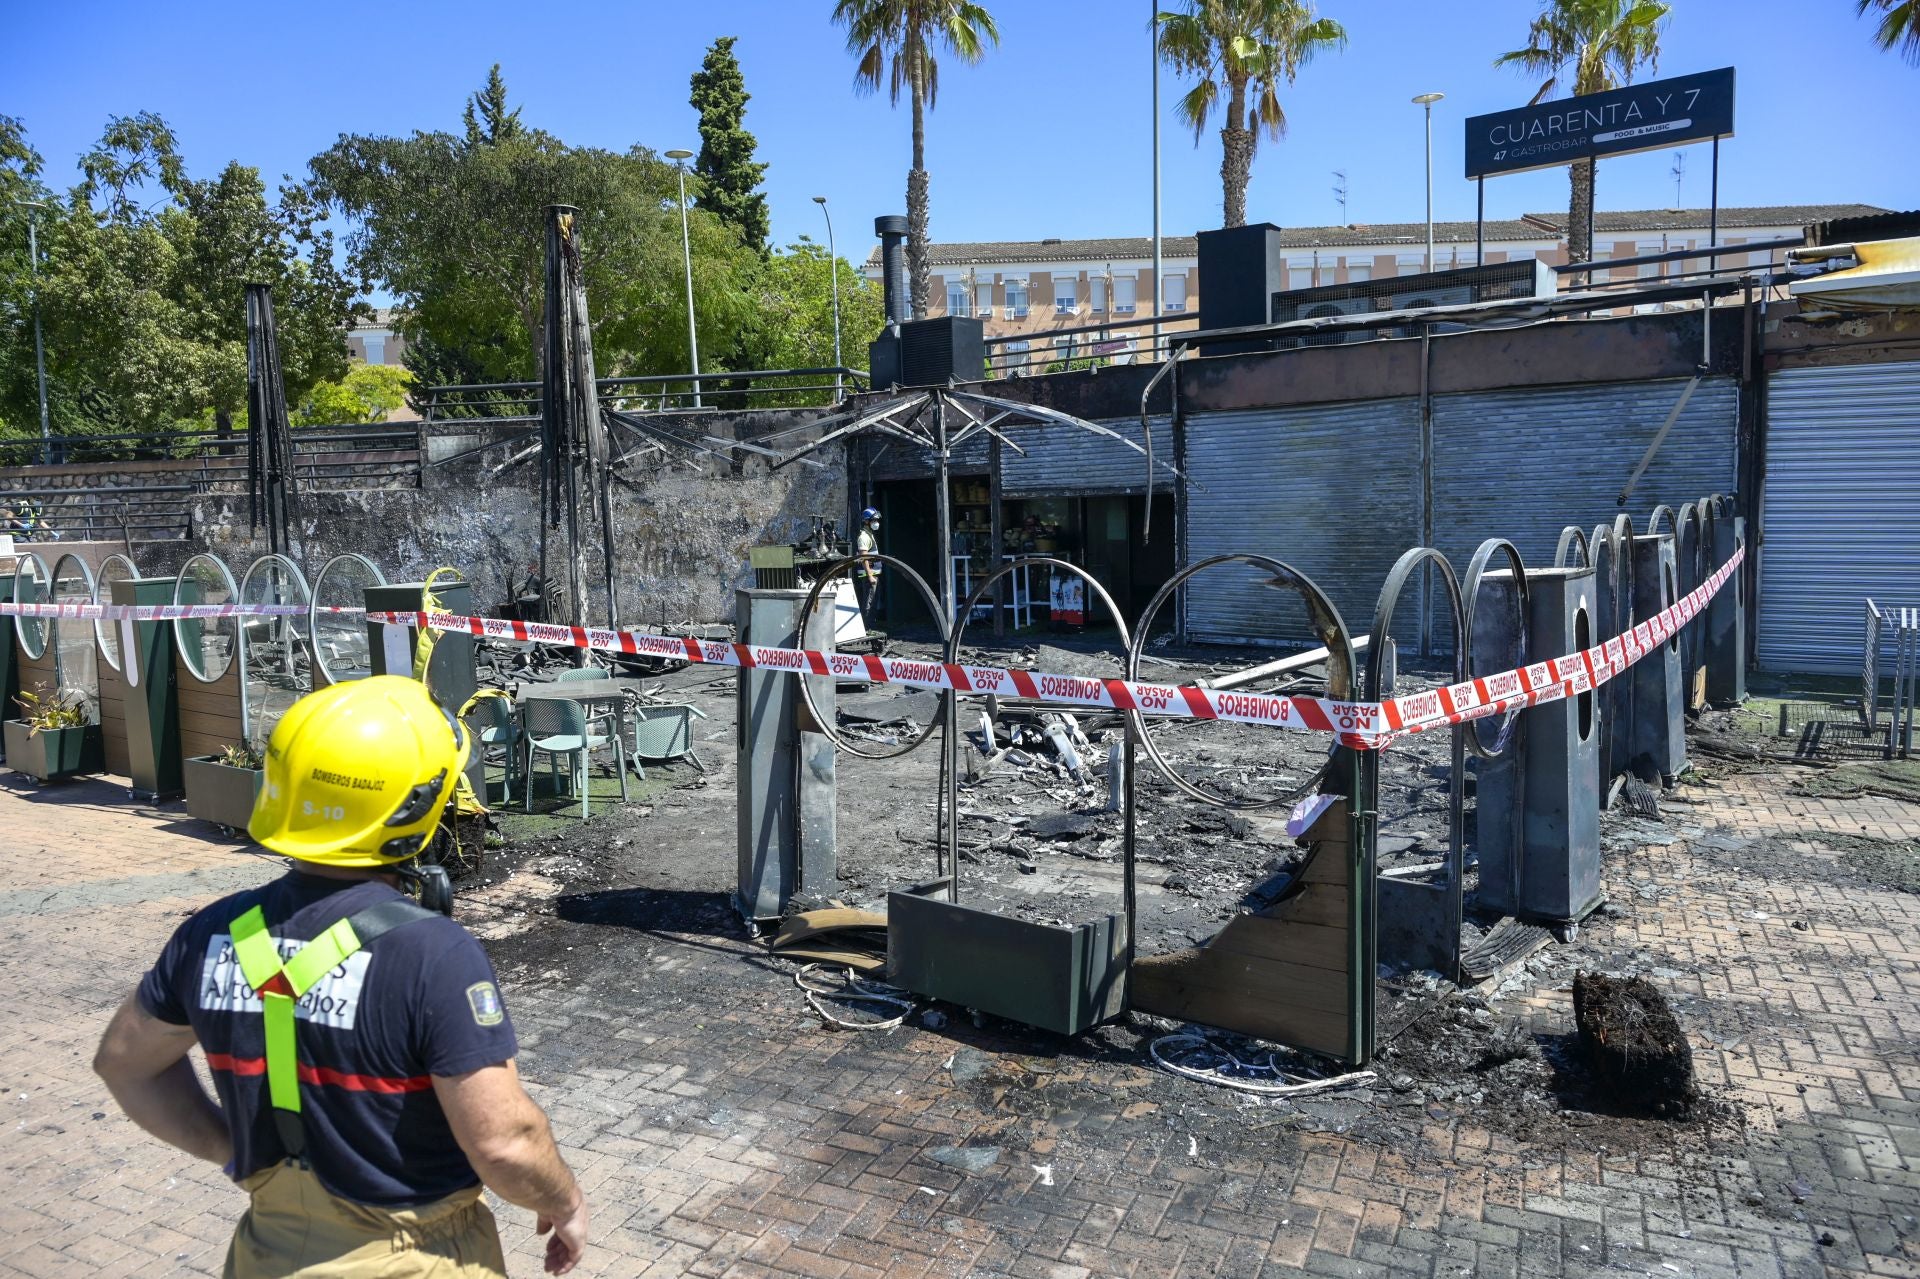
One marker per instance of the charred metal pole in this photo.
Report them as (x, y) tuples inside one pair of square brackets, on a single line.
[(270, 442), (560, 396)]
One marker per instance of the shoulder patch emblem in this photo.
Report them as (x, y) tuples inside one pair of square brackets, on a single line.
[(485, 1002)]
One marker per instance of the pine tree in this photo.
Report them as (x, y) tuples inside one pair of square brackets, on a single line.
[(487, 117), (728, 173)]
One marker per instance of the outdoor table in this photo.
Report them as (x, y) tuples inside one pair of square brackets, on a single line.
[(589, 693)]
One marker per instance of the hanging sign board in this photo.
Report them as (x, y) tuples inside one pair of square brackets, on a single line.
[(1639, 117)]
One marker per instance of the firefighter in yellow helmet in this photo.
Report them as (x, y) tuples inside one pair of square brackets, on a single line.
[(362, 1057)]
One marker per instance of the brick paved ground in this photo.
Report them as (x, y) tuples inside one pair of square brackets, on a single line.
[(720, 1131)]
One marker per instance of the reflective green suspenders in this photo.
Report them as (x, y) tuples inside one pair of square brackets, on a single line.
[(280, 984)]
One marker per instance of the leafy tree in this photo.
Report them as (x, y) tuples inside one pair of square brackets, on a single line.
[(729, 175), (1899, 26), (1593, 45), (795, 329), (368, 393), (455, 227), (487, 117), (143, 284), (894, 39), (1242, 50)]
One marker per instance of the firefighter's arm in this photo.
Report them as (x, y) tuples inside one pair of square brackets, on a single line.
[(143, 1062), (506, 1136)]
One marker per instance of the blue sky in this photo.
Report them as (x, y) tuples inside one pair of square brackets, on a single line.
[(1048, 137)]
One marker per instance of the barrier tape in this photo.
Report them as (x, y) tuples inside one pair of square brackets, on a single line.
[(1364, 725), (164, 612)]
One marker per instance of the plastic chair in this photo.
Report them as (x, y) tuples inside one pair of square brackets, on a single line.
[(574, 674), (494, 726), (664, 733), (556, 727)]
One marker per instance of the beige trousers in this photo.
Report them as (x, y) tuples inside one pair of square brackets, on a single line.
[(295, 1229)]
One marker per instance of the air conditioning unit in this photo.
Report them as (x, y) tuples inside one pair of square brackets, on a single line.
[(1499, 281)]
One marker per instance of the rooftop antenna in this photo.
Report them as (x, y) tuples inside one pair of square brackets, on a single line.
[(1679, 172), (1340, 193)]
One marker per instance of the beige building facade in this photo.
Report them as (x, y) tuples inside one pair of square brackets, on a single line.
[(1034, 293)]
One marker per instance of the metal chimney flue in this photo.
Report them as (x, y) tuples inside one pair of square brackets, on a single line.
[(892, 230)]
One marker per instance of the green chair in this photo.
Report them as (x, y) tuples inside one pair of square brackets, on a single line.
[(663, 733), (494, 727), (555, 727)]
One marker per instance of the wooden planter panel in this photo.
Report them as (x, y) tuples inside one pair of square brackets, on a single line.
[(114, 746), (210, 714)]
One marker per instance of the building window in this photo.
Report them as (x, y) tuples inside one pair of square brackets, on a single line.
[(1123, 294), (957, 298), (1650, 270), (1359, 272), (1016, 299), (1065, 298), (1016, 359), (1097, 294), (983, 294), (1300, 277), (1173, 294), (376, 347)]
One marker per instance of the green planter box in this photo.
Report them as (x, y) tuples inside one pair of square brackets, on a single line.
[(220, 793), (53, 753)]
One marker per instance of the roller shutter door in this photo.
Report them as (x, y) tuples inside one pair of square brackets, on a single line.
[(1525, 464), (1840, 511), (1332, 489), (1065, 460)]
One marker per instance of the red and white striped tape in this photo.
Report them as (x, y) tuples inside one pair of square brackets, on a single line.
[(163, 612), (1365, 725)]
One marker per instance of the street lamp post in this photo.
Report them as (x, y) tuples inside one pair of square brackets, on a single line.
[(833, 265), (679, 159), (39, 347), (1427, 100)]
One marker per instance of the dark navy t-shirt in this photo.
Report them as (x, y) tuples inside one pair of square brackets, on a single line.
[(418, 1001)]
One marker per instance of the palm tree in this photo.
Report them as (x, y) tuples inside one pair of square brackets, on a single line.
[(1900, 26), (1597, 45), (1235, 46), (893, 40)]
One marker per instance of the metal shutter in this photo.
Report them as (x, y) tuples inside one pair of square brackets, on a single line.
[(1063, 460), (1524, 464), (1332, 489), (1840, 511)]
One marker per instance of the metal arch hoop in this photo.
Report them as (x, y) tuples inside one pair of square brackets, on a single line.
[(192, 663), (53, 627), (35, 648), (319, 666), (294, 575), (1134, 731), (1390, 599), (1327, 624), (102, 625), (1572, 536), (1377, 643), (1476, 570), (296, 579), (825, 723)]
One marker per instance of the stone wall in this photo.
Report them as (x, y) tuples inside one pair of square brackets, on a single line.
[(681, 531)]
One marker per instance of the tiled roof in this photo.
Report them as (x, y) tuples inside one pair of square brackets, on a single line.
[(1533, 226), (1784, 215)]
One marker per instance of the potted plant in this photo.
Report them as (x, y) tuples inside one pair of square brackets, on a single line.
[(54, 736), (222, 788)]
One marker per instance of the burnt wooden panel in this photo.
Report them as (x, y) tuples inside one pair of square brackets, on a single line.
[(1282, 974)]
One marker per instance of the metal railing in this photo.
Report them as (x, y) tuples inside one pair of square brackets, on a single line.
[(1086, 346), (326, 458), (652, 393), (1897, 629), (154, 513)]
